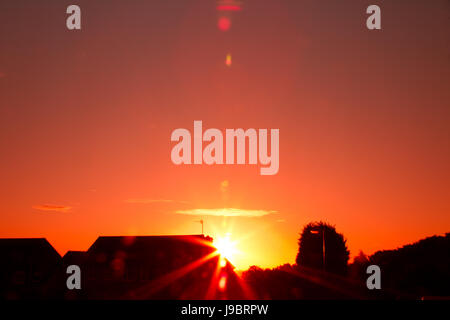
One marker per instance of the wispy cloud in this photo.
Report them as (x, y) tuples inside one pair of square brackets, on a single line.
[(226, 212), (147, 201), (51, 207)]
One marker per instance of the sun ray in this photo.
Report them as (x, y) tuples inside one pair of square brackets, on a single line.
[(165, 280)]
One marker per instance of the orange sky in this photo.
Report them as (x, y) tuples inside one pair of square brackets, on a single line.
[(86, 118)]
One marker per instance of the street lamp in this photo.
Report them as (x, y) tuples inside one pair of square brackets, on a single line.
[(323, 244), (201, 222)]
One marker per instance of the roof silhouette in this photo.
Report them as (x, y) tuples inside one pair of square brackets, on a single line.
[(118, 267), (110, 243), (27, 267), (28, 245)]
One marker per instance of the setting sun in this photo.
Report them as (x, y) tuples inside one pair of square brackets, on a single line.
[(226, 247)]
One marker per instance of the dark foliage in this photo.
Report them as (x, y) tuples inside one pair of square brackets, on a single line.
[(294, 282), (417, 270), (317, 237)]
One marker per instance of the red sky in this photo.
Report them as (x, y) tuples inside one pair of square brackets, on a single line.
[(86, 118)]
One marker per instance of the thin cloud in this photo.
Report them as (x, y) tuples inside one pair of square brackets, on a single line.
[(147, 201), (226, 212), (51, 207)]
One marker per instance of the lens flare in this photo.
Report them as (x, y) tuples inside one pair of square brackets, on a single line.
[(228, 60), (223, 262), (224, 23), (223, 283)]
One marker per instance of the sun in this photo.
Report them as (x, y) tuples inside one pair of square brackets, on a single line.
[(225, 247)]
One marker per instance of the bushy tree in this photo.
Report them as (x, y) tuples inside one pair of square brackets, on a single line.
[(317, 238)]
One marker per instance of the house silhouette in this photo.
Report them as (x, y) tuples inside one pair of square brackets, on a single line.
[(28, 269), (119, 267)]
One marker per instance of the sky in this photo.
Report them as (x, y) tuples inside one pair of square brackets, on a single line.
[(86, 118)]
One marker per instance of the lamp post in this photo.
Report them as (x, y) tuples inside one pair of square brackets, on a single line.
[(323, 244), (323, 248), (201, 222)]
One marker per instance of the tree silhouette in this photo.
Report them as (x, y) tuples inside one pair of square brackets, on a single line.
[(357, 269), (321, 247), (417, 270)]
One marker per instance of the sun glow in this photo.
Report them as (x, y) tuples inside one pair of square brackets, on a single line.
[(225, 247)]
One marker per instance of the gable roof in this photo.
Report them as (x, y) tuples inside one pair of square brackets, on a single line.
[(30, 247)]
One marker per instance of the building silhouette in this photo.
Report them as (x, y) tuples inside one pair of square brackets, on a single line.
[(148, 267), (120, 267), (29, 269)]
